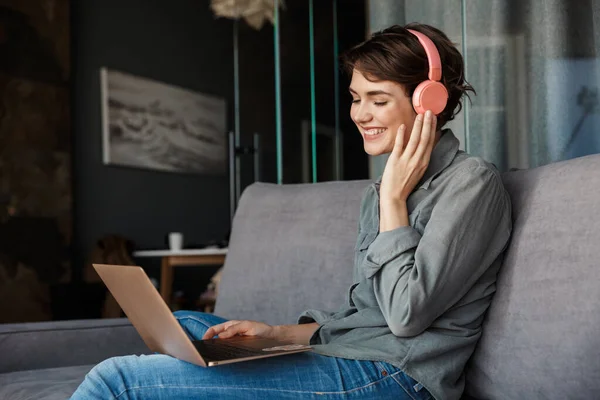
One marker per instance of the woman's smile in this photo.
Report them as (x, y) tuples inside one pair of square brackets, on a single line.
[(373, 133)]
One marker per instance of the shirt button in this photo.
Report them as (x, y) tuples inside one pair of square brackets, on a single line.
[(384, 373)]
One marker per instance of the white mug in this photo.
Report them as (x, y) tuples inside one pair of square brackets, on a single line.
[(175, 241)]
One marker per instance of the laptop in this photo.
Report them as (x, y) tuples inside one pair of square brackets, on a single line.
[(161, 332)]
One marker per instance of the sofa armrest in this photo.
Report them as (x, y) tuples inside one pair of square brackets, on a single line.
[(37, 345)]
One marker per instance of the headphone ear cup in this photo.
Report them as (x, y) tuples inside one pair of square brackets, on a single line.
[(430, 95)]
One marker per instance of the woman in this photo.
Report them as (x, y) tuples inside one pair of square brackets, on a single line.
[(431, 235)]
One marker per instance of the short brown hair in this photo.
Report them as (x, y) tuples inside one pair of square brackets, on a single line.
[(395, 54)]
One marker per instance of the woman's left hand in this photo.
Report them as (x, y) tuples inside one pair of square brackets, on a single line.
[(405, 167)]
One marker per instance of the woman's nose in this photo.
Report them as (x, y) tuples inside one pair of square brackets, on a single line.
[(362, 114)]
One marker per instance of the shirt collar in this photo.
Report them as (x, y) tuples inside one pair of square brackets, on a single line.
[(442, 156)]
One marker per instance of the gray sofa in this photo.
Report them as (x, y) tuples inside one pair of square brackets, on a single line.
[(291, 249)]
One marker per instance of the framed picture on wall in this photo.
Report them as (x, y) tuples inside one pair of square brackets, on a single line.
[(153, 125)]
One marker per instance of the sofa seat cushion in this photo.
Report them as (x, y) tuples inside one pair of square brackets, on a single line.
[(42, 384)]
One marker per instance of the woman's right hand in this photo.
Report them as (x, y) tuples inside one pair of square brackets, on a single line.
[(406, 165), (243, 328)]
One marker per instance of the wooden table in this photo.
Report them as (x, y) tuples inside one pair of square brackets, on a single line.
[(181, 258)]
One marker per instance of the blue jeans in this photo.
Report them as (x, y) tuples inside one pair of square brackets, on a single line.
[(305, 375)]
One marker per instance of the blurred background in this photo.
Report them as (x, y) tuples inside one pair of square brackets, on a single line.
[(91, 163)]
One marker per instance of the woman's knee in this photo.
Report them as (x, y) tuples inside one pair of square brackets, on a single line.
[(105, 380), (128, 376), (188, 313), (196, 323)]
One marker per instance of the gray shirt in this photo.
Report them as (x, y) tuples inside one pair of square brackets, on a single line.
[(420, 292)]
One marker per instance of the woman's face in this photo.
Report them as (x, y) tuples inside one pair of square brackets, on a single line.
[(378, 109)]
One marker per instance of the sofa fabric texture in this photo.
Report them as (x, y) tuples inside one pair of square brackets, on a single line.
[(542, 332), (66, 343), (46, 384), (291, 248)]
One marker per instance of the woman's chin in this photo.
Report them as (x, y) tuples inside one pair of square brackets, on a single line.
[(375, 150)]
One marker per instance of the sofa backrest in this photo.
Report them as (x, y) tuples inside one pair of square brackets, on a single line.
[(291, 248), (542, 332)]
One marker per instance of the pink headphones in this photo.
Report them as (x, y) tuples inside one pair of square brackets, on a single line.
[(430, 94)]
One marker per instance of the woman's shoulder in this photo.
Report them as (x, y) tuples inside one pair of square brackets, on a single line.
[(467, 166)]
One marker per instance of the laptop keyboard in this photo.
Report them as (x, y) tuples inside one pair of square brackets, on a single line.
[(222, 351)]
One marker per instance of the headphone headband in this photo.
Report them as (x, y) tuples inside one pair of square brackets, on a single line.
[(433, 56), (431, 94)]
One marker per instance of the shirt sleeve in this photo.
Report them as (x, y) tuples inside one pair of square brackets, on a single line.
[(418, 277), (318, 316)]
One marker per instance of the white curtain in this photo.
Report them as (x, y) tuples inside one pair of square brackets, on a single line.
[(535, 65)]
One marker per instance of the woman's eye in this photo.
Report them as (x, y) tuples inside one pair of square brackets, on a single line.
[(380, 103), (355, 101)]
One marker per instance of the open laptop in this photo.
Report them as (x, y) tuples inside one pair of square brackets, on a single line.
[(161, 332)]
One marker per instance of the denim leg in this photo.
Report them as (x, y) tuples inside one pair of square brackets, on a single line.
[(296, 376), (304, 376), (196, 323)]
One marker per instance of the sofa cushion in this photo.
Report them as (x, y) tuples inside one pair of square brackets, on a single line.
[(541, 335), (40, 345), (42, 384), (291, 248)]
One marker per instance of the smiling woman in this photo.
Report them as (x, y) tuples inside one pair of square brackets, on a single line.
[(431, 235)]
